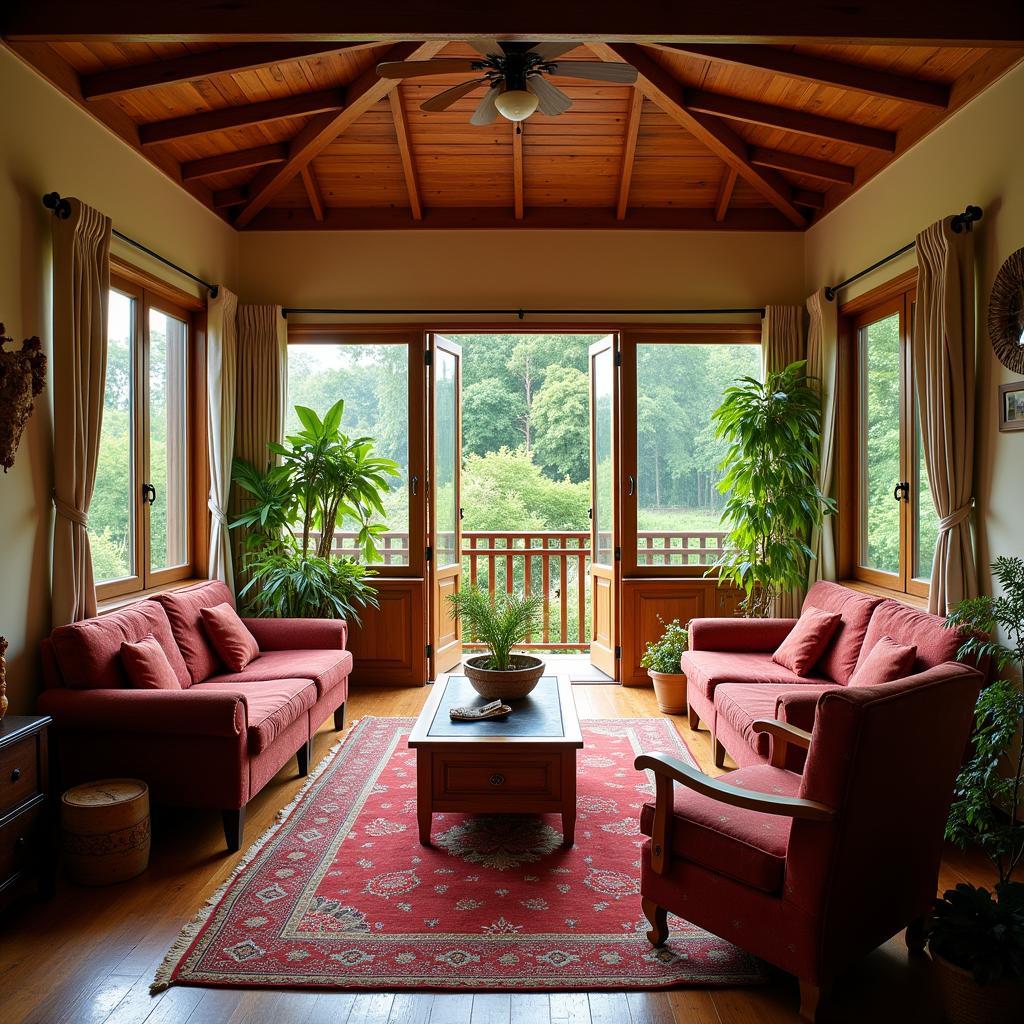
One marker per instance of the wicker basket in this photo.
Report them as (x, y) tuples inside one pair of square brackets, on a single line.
[(967, 1002), (511, 684), (106, 830)]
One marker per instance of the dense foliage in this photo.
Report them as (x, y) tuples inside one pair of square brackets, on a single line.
[(500, 624), (771, 481), (663, 654)]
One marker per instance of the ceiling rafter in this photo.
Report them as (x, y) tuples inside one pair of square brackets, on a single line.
[(812, 200), (518, 203), (412, 185), (309, 183), (822, 71), (725, 193), (636, 106), (366, 91), (194, 66), (666, 93), (807, 165), (237, 160), (228, 197)]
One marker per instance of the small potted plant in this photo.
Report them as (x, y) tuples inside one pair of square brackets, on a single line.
[(499, 625), (976, 936), (661, 659)]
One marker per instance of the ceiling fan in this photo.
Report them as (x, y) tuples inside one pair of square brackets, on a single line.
[(514, 73)]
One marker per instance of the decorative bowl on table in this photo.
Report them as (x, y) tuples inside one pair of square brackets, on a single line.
[(504, 684)]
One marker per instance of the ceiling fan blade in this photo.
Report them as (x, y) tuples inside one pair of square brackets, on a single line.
[(443, 100), (596, 70), (486, 46), (486, 112), (550, 99), (549, 51), (421, 68)]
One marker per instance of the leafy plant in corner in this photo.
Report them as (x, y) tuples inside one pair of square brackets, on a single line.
[(979, 930), (770, 477), (662, 655), (322, 478), (500, 624)]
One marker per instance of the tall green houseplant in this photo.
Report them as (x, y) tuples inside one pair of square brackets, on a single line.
[(770, 477), (322, 478)]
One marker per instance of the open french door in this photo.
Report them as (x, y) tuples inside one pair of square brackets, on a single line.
[(444, 359), (604, 525)]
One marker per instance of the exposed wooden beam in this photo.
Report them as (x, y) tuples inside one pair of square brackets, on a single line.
[(193, 66), (517, 171), (636, 106), (911, 22), (454, 218), (239, 160), (787, 120), (668, 95), (725, 193), (229, 197), (412, 185), (238, 117), (851, 77), (812, 200), (309, 182), (366, 91), (806, 165)]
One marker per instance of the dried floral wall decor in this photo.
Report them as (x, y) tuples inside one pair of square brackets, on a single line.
[(22, 378)]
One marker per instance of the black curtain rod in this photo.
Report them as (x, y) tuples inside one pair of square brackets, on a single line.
[(61, 208), (521, 313), (961, 222)]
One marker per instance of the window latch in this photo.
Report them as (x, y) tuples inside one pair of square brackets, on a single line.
[(148, 494), (901, 492)]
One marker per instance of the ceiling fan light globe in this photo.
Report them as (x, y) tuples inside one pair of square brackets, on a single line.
[(516, 104)]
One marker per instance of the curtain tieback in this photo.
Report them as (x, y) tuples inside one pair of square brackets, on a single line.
[(217, 512), (76, 516), (956, 518)]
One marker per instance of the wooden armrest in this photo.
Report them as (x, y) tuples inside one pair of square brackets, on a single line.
[(782, 734), (668, 770)]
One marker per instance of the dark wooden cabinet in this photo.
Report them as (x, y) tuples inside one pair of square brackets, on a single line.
[(26, 847)]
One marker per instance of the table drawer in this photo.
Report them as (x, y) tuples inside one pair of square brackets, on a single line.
[(20, 845), (19, 772), (533, 776)]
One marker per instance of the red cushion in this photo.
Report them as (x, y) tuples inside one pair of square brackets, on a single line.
[(706, 670), (840, 657), (88, 653), (928, 633), (886, 661), (271, 706), (184, 611), (232, 641), (147, 665), (326, 668), (808, 640), (748, 846), (741, 704)]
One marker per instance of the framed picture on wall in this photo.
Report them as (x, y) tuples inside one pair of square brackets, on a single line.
[(1011, 406)]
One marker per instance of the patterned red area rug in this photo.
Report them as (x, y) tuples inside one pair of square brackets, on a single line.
[(340, 893)]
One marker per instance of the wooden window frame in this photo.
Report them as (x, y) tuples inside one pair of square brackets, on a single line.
[(150, 293), (895, 296)]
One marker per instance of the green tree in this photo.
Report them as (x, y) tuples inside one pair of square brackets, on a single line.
[(489, 412), (561, 424)]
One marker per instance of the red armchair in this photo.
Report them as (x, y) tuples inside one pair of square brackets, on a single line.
[(810, 872)]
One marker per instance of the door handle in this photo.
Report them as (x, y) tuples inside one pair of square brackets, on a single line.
[(632, 485), (414, 483), (148, 494), (901, 492)]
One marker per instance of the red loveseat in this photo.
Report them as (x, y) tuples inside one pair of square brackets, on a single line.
[(731, 680), (220, 739)]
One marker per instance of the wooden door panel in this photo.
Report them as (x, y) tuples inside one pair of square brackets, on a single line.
[(602, 603), (389, 647), (447, 636)]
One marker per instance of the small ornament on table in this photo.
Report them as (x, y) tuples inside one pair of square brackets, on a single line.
[(496, 709)]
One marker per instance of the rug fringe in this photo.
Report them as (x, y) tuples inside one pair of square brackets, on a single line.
[(163, 978)]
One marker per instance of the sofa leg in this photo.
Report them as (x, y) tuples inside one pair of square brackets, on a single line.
[(692, 718), (658, 917), (917, 935), (234, 828), (719, 754), (339, 717), (809, 997), (302, 756)]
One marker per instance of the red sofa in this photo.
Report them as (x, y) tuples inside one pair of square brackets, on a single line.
[(220, 739), (731, 680)]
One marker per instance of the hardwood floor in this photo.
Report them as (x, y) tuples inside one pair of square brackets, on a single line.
[(88, 955)]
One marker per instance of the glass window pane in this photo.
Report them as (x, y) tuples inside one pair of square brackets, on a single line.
[(112, 512), (374, 382), (446, 452), (602, 383), (880, 444), (679, 505), (926, 519), (168, 440)]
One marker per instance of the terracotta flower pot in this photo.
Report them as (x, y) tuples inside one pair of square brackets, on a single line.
[(967, 1002), (510, 684), (670, 691)]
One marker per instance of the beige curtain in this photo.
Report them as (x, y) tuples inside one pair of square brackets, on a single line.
[(782, 343), (823, 364), (943, 358), (81, 283), (262, 393), (221, 399)]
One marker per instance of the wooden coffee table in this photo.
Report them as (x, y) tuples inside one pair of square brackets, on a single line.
[(522, 764)]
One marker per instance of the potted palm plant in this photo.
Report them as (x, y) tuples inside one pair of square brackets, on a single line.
[(500, 625), (976, 935), (661, 659)]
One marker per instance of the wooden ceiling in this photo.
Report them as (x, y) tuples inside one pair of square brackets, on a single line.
[(293, 134)]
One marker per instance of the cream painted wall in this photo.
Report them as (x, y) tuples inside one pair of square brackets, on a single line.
[(975, 157), (47, 144)]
